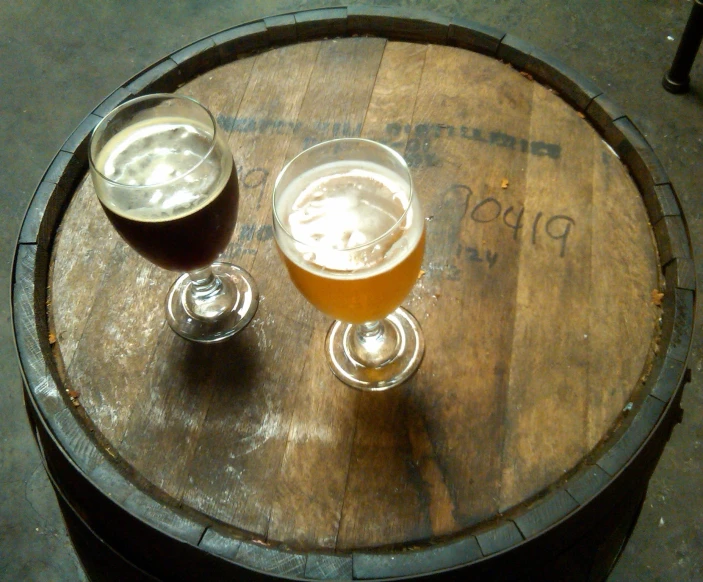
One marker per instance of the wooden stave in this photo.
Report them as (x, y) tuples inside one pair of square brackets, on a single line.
[(632, 450)]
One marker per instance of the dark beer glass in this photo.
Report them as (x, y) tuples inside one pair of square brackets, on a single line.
[(166, 179)]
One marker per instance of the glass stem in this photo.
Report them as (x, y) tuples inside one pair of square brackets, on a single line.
[(205, 285), (369, 331), (373, 344)]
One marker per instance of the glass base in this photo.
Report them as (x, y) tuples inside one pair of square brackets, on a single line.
[(215, 316), (398, 353)]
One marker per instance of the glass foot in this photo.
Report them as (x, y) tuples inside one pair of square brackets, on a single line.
[(373, 361), (214, 310)]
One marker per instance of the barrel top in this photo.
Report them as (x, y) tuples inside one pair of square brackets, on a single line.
[(539, 299)]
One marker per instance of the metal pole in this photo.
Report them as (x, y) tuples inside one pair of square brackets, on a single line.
[(677, 80)]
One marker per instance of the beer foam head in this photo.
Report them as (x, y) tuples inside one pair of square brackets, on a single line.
[(347, 216), (161, 168)]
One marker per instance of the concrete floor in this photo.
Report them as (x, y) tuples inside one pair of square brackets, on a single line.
[(59, 59)]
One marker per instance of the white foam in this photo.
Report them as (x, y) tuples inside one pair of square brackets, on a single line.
[(155, 171), (333, 210)]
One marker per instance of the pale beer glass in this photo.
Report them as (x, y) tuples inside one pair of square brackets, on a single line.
[(166, 179), (351, 233)]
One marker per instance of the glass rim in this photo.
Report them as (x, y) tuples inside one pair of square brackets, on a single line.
[(131, 102), (278, 222)]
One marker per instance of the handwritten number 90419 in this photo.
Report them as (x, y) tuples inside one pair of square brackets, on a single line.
[(557, 227)]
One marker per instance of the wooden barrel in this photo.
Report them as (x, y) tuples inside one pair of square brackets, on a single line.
[(556, 298)]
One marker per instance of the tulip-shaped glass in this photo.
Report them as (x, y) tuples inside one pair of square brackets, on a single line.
[(165, 177), (351, 233)]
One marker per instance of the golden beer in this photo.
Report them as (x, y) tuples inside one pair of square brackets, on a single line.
[(355, 249), (358, 300), (349, 228)]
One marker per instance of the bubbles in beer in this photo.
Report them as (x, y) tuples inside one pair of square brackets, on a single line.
[(336, 211), (170, 156)]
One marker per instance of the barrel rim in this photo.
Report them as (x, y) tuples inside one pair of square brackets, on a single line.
[(532, 520)]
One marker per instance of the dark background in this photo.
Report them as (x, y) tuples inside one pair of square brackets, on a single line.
[(60, 59)]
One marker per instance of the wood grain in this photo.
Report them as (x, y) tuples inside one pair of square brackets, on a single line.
[(382, 464), (549, 364), (322, 427), (535, 301), (80, 270), (619, 257), (472, 265)]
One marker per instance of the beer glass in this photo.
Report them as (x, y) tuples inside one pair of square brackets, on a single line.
[(350, 230), (166, 179)]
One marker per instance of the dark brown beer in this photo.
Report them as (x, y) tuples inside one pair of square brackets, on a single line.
[(170, 189), (184, 243)]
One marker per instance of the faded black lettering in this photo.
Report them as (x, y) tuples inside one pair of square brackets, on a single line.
[(540, 148), (246, 232), (502, 139), (264, 233)]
